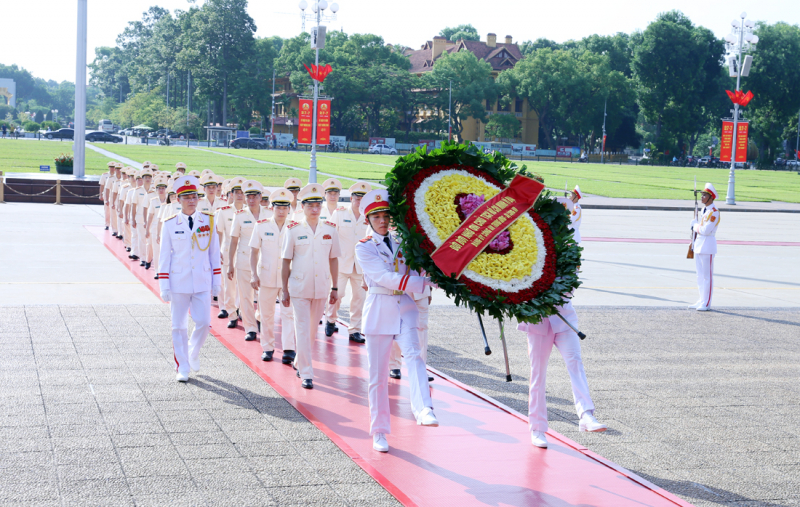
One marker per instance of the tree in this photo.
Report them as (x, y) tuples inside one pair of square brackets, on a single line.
[(529, 47), (472, 84), (676, 70), (460, 32), (502, 125)]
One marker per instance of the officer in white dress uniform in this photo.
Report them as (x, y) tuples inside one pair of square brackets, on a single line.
[(294, 185), (352, 227), (104, 182), (423, 302), (576, 215), (310, 252), (541, 338), (390, 315), (244, 223), (224, 221), (152, 220), (265, 265), (333, 190), (189, 274), (705, 248)]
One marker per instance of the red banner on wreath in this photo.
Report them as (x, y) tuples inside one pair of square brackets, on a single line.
[(485, 223), (726, 141), (323, 121), (306, 114)]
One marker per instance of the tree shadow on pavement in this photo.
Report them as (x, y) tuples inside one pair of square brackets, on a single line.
[(698, 491)]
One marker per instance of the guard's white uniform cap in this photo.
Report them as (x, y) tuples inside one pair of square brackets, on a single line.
[(375, 200)]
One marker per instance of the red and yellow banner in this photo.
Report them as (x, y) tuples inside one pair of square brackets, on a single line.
[(304, 128), (726, 143), (485, 223), (323, 121)]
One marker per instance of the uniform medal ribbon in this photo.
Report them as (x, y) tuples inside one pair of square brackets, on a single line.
[(205, 228)]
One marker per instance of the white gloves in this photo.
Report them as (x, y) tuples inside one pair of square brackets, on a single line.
[(215, 290), (429, 283), (166, 296)]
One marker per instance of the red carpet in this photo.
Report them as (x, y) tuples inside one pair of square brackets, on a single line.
[(479, 455)]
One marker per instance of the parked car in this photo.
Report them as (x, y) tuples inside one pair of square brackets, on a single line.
[(382, 149), (106, 126), (793, 163), (100, 137), (780, 162), (178, 135), (255, 143), (60, 134)]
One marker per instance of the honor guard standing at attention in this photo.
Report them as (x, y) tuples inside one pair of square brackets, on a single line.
[(152, 220), (105, 195), (705, 248), (575, 217), (243, 224), (189, 275), (116, 223), (541, 338), (390, 315), (139, 203), (333, 189), (224, 221), (352, 227), (265, 265), (310, 254), (122, 192), (130, 231), (294, 185), (103, 182)]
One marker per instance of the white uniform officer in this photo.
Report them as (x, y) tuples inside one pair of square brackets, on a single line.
[(333, 190), (152, 220), (180, 169), (541, 338), (265, 265), (310, 252), (139, 203), (423, 302), (294, 185), (108, 193), (209, 203), (390, 314), (189, 274), (224, 221), (244, 223), (104, 181), (705, 248), (352, 227), (576, 215)]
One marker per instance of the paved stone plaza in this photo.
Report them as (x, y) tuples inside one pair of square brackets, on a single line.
[(705, 405)]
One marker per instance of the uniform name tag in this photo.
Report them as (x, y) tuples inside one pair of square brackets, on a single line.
[(303, 237), (248, 222), (178, 232), (268, 234), (348, 221)]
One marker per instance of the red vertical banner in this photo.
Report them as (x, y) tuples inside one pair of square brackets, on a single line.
[(741, 142), (604, 143), (323, 121), (306, 114), (726, 141)]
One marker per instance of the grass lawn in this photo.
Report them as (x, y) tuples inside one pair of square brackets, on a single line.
[(605, 180), (25, 156)]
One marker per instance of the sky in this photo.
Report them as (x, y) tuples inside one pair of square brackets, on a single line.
[(43, 40)]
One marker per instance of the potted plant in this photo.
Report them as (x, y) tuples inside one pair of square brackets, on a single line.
[(64, 164)]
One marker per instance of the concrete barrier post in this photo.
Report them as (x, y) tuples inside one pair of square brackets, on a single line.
[(58, 192), (2, 187)]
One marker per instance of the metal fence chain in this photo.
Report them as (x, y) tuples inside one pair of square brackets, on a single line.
[(96, 196), (29, 195)]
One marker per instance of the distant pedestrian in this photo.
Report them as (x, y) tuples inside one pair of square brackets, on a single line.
[(5, 130)]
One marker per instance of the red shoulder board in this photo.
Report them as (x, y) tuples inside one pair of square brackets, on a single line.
[(365, 239), (224, 208), (330, 223), (240, 211), (292, 224), (341, 208), (263, 220)]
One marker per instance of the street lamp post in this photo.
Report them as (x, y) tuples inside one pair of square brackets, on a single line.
[(603, 149), (318, 7), (739, 42), (79, 136)]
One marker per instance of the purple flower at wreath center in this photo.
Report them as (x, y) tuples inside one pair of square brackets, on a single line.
[(469, 203), (501, 242)]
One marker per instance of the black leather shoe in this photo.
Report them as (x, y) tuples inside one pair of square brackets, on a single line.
[(288, 356), (259, 325), (430, 379), (147, 265), (297, 373), (120, 237), (308, 384), (106, 228), (127, 249), (394, 374), (357, 338), (267, 356), (251, 336), (232, 324), (135, 257), (156, 277), (114, 234), (143, 263), (215, 298), (330, 328), (223, 314)]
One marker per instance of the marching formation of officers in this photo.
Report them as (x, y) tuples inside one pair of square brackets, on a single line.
[(228, 240)]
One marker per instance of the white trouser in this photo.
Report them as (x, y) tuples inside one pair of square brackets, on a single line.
[(127, 235), (186, 351), (704, 264), (227, 299), (154, 241), (307, 313), (539, 348), (114, 219), (246, 297), (107, 213), (379, 347), (266, 306), (396, 358), (356, 302), (152, 247), (141, 242)]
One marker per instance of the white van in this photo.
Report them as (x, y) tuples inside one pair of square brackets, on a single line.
[(106, 126)]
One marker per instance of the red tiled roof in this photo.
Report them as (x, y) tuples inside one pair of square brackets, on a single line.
[(502, 57)]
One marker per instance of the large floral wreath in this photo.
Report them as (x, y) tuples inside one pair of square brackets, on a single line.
[(525, 272)]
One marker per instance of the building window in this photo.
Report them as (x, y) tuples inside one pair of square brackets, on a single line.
[(518, 106)]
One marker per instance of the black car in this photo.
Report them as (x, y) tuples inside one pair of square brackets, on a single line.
[(103, 137), (256, 143), (60, 134), (178, 135)]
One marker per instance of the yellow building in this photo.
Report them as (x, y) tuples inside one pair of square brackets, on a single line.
[(501, 56)]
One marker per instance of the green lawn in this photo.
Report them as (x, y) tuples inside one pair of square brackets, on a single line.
[(606, 180), (25, 156)]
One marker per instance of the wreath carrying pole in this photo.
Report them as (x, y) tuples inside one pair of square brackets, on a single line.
[(486, 349), (505, 350)]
